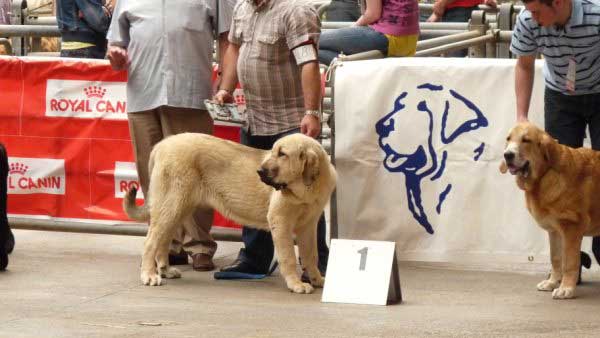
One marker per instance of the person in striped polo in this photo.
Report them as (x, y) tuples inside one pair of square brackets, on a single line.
[(567, 34)]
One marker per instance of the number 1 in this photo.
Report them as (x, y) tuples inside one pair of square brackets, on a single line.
[(363, 258)]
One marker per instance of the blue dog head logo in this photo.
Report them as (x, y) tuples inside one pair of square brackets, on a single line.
[(416, 159)]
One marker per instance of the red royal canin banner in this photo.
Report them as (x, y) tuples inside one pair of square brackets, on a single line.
[(64, 124)]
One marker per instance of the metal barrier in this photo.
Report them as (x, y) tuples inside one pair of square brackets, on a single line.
[(127, 229), (29, 30)]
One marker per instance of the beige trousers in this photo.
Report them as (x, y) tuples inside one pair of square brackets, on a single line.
[(148, 128)]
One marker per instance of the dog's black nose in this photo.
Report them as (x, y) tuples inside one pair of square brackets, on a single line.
[(262, 173), (509, 156)]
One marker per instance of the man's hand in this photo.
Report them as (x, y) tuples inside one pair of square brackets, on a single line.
[(310, 126), (491, 3), (110, 5), (434, 18), (118, 57), (439, 8), (223, 96)]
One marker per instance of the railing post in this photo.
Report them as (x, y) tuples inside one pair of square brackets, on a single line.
[(505, 23), (478, 23), (17, 18)]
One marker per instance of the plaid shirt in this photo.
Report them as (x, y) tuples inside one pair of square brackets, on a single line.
[(266, 66)]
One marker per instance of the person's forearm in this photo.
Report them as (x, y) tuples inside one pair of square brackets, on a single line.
[(372, 13), (439, 7), (311, 85), (223, 44), (229, 73), (524, 75)]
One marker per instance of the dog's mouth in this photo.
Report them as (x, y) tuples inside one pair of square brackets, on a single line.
[(268, 180), (522, 170)]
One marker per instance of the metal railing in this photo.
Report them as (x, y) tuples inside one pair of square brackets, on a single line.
[(106, 228)]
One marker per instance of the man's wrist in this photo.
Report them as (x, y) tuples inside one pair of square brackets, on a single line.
[(314, 112), (226, 90)]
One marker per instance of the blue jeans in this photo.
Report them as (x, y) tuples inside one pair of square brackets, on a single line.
[(350, 40), (458, 14), (258, 245)]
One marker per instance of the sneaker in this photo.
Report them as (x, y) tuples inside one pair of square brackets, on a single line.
[(242, 267)]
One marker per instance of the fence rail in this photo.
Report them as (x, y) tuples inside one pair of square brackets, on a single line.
[(127, 229)]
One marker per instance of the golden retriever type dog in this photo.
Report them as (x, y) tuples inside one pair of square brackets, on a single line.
[(294, 182), (562, 186)]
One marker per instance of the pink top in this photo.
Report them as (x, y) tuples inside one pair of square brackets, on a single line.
[(398, 17)]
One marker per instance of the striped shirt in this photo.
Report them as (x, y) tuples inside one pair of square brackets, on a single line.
[(578, 39), (266, 66)]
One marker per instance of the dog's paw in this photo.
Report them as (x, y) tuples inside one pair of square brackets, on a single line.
[(563, 293), (301, 287), (547, 285), (170, 272), (150, 279), (317, 282)]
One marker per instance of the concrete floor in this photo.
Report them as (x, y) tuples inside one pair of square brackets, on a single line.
[(80, 285)]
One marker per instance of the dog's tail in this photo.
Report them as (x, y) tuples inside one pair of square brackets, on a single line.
[(135, 212)]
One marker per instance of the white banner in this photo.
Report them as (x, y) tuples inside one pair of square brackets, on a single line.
[(418, 146), (126, 177), (86, 99), (36, 176)]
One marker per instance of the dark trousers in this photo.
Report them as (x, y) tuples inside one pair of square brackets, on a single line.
[(258, 245), (5, 233), (343, 10), (458, 14), (566, 118)]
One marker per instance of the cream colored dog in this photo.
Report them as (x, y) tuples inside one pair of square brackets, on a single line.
[(561, 187), (294, 182)]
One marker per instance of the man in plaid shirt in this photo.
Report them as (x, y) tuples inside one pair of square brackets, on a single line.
[(273, 54)]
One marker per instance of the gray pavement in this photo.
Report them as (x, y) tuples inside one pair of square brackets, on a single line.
[(81, 285)]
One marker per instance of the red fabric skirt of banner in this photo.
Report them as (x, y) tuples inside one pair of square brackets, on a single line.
[(64, 124)]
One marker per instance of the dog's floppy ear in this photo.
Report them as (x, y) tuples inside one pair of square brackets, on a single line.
[(311, 166), (549, 148), (503, 167)]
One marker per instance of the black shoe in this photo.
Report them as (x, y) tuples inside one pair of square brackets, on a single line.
[(3, 260), (241, 266), (178, 259), (586, 262), (10, 243), (596, 248)]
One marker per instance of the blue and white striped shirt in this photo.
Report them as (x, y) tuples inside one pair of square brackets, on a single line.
[(578, 39)]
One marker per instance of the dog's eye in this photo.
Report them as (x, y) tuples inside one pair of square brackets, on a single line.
[(525, 140), (281, 154)]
